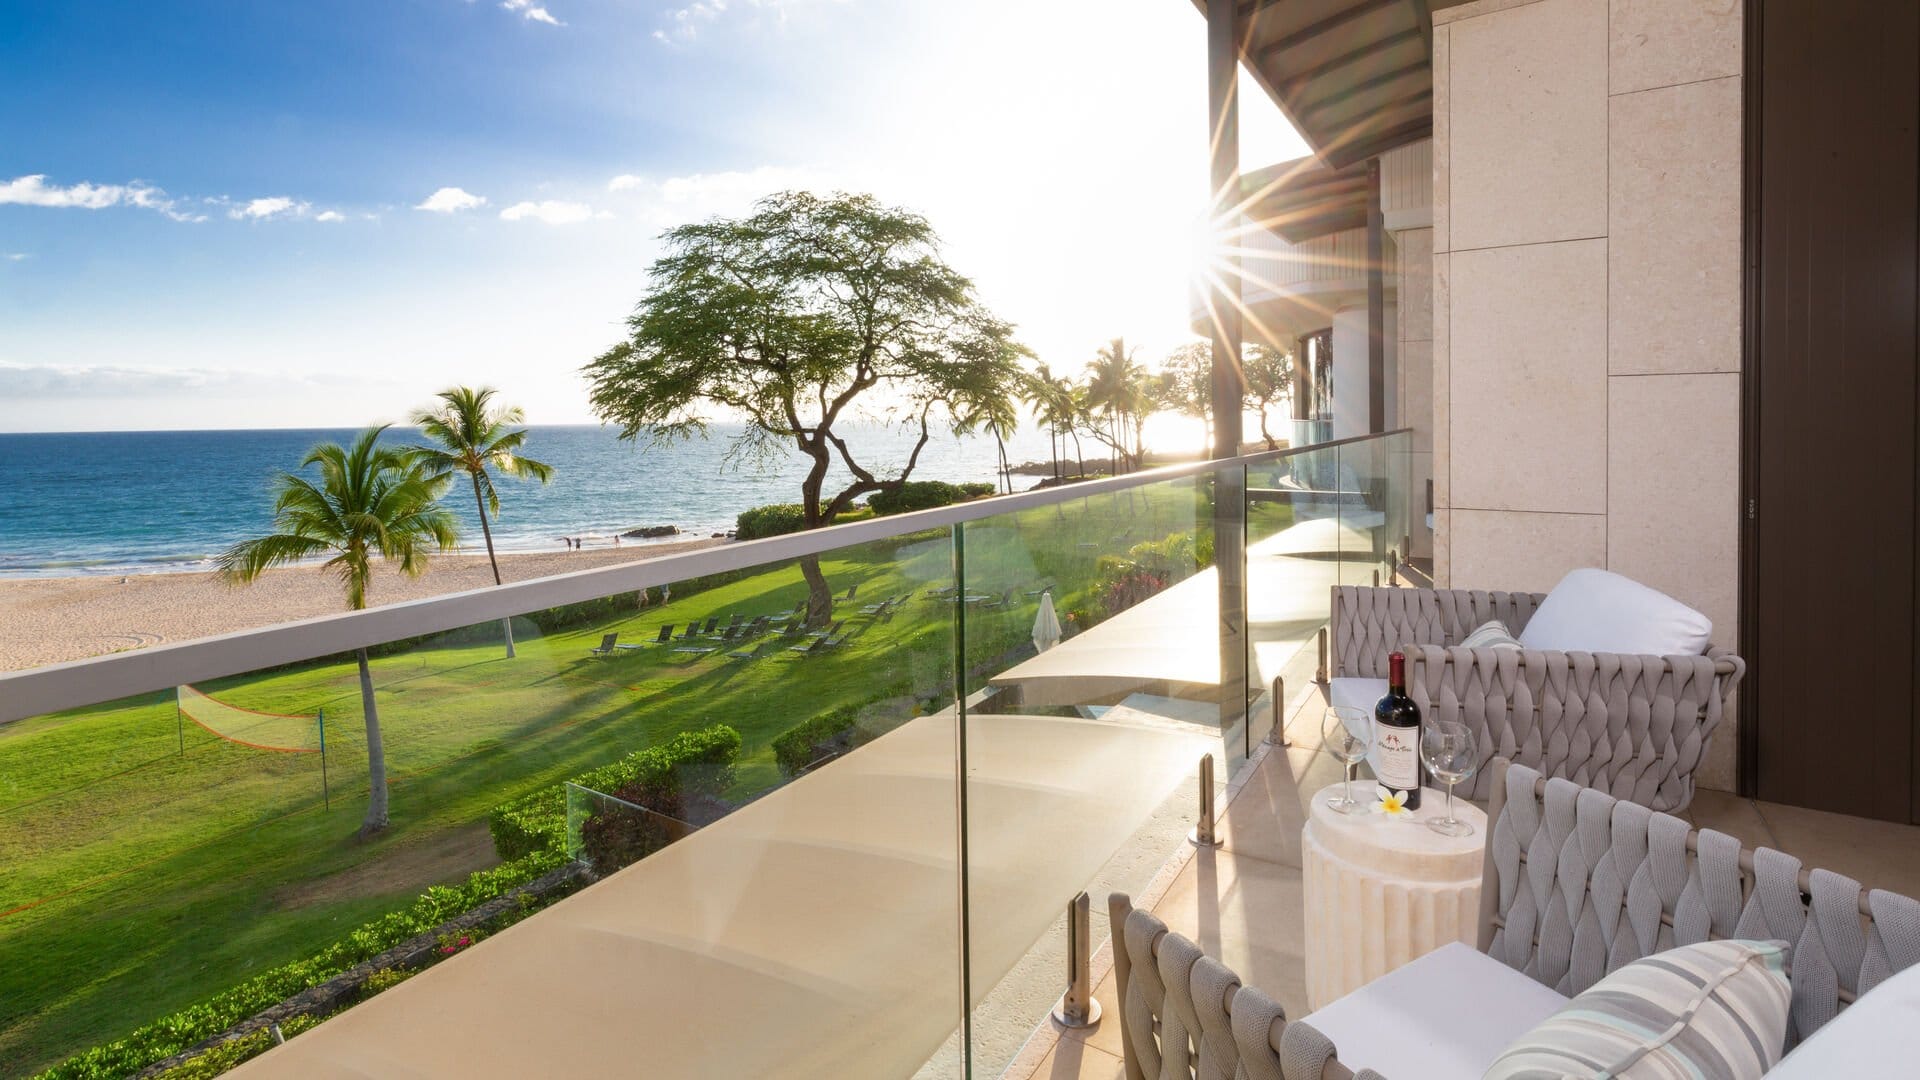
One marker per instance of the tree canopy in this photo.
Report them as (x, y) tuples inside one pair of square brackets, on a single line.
[(807, 313)]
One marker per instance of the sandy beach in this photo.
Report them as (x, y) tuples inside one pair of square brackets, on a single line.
[(49, 620)]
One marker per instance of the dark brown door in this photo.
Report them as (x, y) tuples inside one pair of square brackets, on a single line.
[(1834, 201)]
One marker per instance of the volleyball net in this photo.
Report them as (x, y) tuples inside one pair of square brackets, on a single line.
[(289, 733)]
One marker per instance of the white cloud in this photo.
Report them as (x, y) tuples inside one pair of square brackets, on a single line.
[(686, 23), (329, 216), (677, 199), (270, 207), (33, 190), (54, 382), (15, 256), (531, 11), (449, 200), (551, 211)]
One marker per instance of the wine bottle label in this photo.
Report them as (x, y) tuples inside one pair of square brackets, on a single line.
[(1396, 764)]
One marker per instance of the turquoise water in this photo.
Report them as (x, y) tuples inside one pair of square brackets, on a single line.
[(120, 502)]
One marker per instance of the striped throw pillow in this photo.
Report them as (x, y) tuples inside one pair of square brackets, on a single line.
[(1712, 1011), (1492, 634)]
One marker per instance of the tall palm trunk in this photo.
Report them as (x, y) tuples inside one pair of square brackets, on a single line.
[(1006, 471), (480, 504), (376, 754), (1053, 447)]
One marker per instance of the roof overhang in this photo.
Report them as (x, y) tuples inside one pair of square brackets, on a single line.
[(1303, 199), (1354, 77)]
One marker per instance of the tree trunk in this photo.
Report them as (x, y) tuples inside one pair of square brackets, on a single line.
[(1053, 447), (1264, 433), (480, 504), (376, 755), (1006, 472), (819, 592)]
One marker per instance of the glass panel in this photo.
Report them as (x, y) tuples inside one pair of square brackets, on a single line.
[(1082, 746), (794, 857), (1293, 561)]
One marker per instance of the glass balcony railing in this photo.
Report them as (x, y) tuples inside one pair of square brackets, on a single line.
[(807, 806)]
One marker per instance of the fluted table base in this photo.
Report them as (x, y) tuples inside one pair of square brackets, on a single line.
[(1382, 891)]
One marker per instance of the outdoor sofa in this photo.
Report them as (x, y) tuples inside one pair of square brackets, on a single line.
[(1606, 714), (1576, 885)]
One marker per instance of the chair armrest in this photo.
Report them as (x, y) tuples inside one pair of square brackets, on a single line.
[(1636, 727), (1367, 623)]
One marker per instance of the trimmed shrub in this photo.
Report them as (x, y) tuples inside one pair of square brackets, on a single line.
[(915, 495), (776, 519), (974, 489), (828, 735), (169, 1035), (692, 761)]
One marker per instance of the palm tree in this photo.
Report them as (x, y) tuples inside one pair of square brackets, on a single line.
[(1050, 397), (1116, 386), (472, 438), (370, 500)]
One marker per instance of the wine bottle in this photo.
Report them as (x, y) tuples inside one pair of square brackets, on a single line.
[(1395, 755)]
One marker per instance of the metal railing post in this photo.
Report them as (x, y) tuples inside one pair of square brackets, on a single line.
[(1077, 1008), (1376, 577), (1202, 834), (1320, 673), (1393, 567), (1277, 734)]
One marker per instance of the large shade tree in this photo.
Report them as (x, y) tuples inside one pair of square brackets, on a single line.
[(368, 502), (465, 433), (1269, 374), (805, 315)]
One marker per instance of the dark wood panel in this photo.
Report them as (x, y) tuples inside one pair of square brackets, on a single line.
[(1834, 463)]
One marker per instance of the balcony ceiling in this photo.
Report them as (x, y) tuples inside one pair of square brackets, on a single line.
[(1354, 77), (1303, 199)]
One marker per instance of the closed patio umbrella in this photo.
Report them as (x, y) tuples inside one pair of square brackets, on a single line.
[(1046, 625)]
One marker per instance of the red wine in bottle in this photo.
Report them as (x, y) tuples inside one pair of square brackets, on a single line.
[(1396, 735)]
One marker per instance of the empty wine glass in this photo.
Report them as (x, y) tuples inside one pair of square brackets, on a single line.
[(1447, 748), (1347, 733)]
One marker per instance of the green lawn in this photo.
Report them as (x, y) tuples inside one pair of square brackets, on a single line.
[(140, 877)]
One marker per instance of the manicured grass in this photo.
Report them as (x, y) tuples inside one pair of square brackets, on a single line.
[(142, 875)]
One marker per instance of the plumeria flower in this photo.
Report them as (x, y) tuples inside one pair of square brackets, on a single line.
[(1392, 804)]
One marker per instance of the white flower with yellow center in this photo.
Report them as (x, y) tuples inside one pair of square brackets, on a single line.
[(1392, 803)]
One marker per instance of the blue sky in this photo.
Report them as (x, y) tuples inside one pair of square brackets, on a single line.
[(252, 214)]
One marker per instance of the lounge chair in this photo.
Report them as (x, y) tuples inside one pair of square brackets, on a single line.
[(1633, 722), (834, 642), (818, 644), (692, 631), (607, 644), (1006, 598), (851, 589), (1575, 886), (713, 623), (666, 635), (830, 630)]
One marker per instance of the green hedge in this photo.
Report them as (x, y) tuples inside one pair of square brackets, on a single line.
[(169, 1035), (777, 519), (699, 762), (833, 732), (916, 495)]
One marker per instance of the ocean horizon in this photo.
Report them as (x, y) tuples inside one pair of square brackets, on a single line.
[(86, 503)]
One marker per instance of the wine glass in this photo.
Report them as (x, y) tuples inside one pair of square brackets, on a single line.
[(1447, 748), (1347, 733)]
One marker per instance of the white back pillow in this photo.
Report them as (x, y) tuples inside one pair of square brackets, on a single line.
[(1600, 611)]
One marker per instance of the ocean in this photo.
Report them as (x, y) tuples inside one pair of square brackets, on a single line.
[(142, 502)]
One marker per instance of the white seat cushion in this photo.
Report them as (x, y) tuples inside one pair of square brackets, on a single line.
[(1362, 694), (1599, 611), (1879, 1035), (1447, 1014)]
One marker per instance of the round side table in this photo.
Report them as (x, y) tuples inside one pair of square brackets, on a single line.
[(1381, 891)]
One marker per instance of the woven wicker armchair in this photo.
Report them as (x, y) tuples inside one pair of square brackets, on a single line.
[(1577, 884), (1635, 727)]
